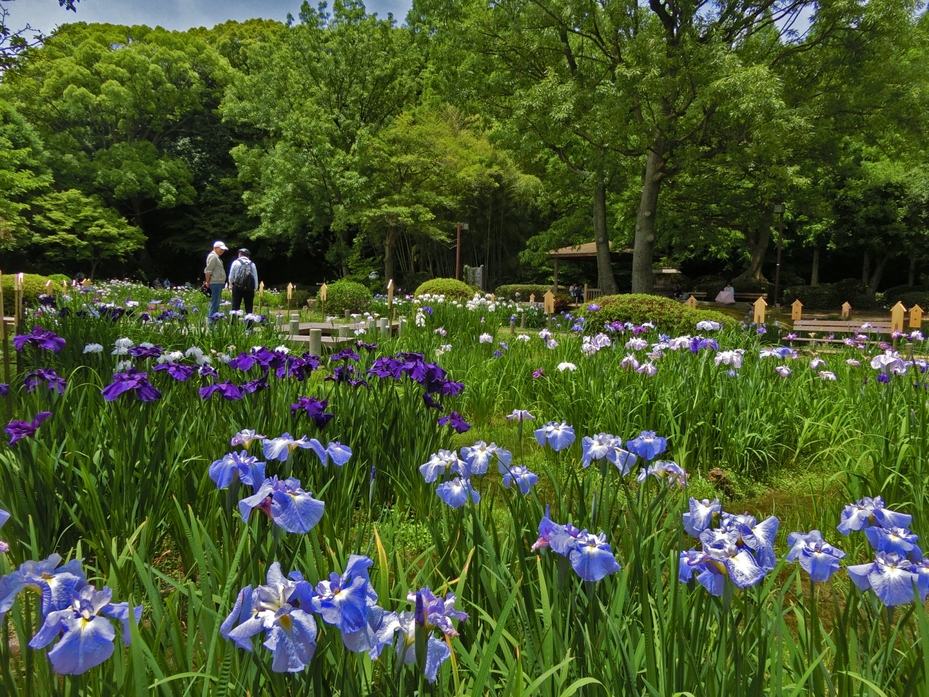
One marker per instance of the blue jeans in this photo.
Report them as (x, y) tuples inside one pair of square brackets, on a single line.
[(216, 293)]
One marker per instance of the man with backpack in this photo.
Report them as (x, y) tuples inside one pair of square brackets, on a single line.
[(243, 280)]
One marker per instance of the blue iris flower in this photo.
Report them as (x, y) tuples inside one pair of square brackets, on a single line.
[(457, 491), (86, 636), (280, 610), (478, 456), (597, 447), (591, 557), (431, 613), (442, 463), (289, 506), (758, 537), (342, 601), (4, 547), (664, 469), (871, 511), (55, 584), (242, 465), (723, 556), (816, 556), (280, 448), (891, 576), (647, 445), (246, 437), (700, 515), (893, 539), (519, 474), (559, 436), (340, 454)]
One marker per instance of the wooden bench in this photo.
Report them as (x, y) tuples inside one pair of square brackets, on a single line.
[(822, 328), (749, 297)]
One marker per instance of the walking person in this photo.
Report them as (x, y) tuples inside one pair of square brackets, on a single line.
[(215, 276), (243, 279)]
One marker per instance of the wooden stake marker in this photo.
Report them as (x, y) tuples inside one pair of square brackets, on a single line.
[(916, 317), (896, 317), (846, 310), (760, 306), (796, 310)]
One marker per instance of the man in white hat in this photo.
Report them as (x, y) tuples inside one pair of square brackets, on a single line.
[(215, 276)]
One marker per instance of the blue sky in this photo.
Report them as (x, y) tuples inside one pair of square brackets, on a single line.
[(45, 15)]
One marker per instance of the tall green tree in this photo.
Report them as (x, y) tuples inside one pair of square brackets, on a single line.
[(332, 82)]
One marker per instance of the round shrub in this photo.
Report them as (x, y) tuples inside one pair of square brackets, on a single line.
[(33, 287), (59, 278), (448, 287), (668, 315), (346, 295)]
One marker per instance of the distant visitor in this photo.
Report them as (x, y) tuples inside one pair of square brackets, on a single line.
[(726, 295)]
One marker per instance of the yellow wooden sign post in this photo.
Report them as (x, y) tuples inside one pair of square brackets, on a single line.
[(549, 303), (760, 306), (796, 310), (916, 317), (390, 295), (896, 317), (691, 301), (846, 310), (531, 298), (261, 292)]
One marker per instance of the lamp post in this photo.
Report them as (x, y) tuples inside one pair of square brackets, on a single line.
[(461, 226), (779, 209)]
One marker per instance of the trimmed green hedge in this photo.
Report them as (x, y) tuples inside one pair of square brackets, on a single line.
[(33, 287), (448, 287), (522, 291), (831, 296), (668, 315), (345, 295)]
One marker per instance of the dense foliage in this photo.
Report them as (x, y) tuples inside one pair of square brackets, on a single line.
[(556, 564), (668, 315), (449, 287), (345, 295)]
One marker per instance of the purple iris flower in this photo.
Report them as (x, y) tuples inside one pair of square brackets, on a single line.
[(289, 506), (17, 430), (131, 381), (816, 556), (242, 465), (246, 437), (280, 610), (207, 371), (455, 421), (559, 436), (55, 383), (4, 389), (367, 347), (700, 516), (591, 557), (457, 491), (430, 402), (178, 371), (229, 391), (257, 385), (891, 576), (315, 409), (478, 456), (145, 351), (647, 445), (871, 511), (431, 613), (344, 355), (559, 538), (85, 636), (40, 338)]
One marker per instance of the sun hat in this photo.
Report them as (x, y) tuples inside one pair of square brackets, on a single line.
[(220, 244)]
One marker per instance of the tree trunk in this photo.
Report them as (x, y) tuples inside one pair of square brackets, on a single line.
[(389, 245), (866, 268), (605, 277), (643, 253), (814, 276), (875, 280), (911, 279), (758, 240)]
